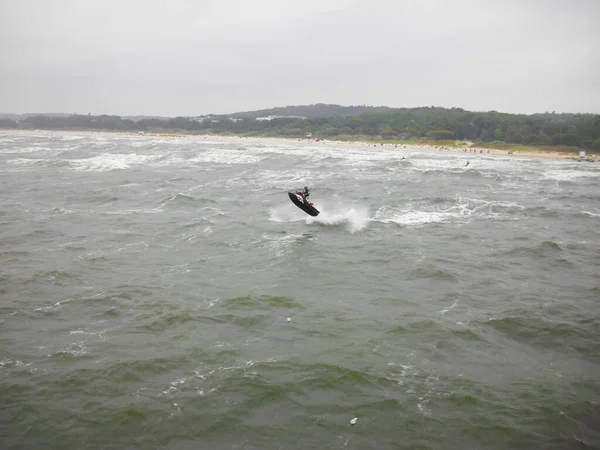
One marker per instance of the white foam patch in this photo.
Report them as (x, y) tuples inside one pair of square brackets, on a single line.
[(410, 217), (142, 143), (56, 305), (111, 161), (9, 363), (570, 175), (86, 332), (351, 155), (33, 149), (213, 211), (126, 212), (26, 162), (280, 246), (285, 213), (21, 163), (283, 179), (72, 138), (76, 349), (355, 217), (224, 156), (445, 310), (464, 210)]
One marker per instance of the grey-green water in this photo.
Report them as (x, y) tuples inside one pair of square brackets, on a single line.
[(165, 293)]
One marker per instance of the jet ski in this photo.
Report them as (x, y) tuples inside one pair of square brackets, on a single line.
[(298, 199)]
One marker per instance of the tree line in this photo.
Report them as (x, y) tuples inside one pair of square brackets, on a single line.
[(354, 122)]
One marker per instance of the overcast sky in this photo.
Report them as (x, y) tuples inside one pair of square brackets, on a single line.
[(192, 57)]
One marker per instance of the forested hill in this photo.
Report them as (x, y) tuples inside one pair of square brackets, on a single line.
[(353, 122), (311, 111)]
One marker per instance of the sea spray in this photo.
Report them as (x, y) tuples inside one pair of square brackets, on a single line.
[(356, 217), (286, 212)]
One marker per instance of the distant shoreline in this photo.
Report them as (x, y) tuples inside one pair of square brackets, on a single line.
[(469, 150)]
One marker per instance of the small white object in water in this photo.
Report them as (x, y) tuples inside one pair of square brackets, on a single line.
[(353, 421), (289, 319)]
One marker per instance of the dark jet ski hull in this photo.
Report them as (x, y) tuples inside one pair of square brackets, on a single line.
[(306, 207)]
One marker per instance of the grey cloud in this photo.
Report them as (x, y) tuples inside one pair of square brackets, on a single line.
[(190, 57)]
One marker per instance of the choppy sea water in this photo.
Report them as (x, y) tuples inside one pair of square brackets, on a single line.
[(165, 293)]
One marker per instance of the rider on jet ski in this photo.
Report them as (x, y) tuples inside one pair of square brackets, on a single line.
[(305, 193)]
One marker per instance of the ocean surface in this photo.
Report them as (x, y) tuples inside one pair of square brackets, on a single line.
[(165, 293)]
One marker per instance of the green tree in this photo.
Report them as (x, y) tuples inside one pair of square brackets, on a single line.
[(441, 134), (388, 133), (515, 138), (531, 139), (569, 139)]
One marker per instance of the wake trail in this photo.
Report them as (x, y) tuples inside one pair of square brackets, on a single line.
[(355, 217)]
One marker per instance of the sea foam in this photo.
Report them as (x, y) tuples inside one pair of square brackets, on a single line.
[(355, 217)]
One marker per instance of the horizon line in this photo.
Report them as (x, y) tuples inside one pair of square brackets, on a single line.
[(290, 106)]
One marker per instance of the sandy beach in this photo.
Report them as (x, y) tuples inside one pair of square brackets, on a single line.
[(471, 150)]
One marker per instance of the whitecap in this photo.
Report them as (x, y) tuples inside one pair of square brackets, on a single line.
[(224, 156), (591, 214), (111, 161), (283, 244), (355, 217), (386, 214), (569, 175), (286, 213), (32, 149)]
